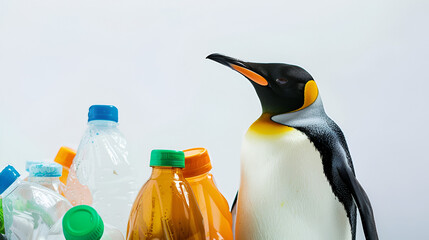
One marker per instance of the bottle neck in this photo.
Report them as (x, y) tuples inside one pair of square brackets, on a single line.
[(10, 189), (103, 123), (163, 172), (44, 179), (200, 178)]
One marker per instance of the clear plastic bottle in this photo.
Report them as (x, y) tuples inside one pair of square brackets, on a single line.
[(213, 206), (84, 223), (101, 175), (47, 175), (165, 207), (29, 210)]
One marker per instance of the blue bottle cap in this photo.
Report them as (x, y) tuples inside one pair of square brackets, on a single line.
[(46, 170), (7, 177), (103, 112), (29, 163)]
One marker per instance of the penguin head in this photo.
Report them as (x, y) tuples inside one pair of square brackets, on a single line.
[(281, 88)]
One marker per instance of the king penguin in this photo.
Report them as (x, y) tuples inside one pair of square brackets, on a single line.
[(297, 179)]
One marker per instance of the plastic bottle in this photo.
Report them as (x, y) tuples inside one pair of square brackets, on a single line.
[(65, 157), (47, 175), (213, 206), (165, 207), (29, 209), (84, 223), (101, 175)]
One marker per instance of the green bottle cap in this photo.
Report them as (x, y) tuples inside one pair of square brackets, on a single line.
[(167, 158), (82, 223), (1, 217)]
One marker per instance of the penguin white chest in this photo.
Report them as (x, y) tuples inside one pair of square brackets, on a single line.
[(284, 193)]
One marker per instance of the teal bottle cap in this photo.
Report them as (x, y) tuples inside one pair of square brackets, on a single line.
[(167, 158), (46, 169), (28, 164), (82, 223)]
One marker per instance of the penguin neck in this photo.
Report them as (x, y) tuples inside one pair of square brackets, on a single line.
[(310, 115), (265, 126)]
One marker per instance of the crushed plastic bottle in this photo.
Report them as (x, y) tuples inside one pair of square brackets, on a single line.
[(101, 175), (29, 210)]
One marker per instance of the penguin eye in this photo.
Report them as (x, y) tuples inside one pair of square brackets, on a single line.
[(281, 81)]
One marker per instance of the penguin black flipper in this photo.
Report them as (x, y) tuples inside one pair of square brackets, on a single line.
[(329, 140), (234, 213), (360, 198), (234, 202), (340, 173)]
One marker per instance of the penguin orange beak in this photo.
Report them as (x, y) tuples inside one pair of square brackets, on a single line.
[(240, 67)]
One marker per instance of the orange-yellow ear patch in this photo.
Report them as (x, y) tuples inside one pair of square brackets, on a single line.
[(310, 94), (250, 75)]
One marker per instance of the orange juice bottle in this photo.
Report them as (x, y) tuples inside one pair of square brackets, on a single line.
[(213, 206), (165, 207)]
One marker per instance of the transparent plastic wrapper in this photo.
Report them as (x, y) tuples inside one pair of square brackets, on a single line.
[(29, 210), (101, 175)]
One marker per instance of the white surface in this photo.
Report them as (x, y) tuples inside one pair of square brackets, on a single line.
[(369, 59)]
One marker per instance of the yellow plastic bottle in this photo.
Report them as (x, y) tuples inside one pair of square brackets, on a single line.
[(166, 208), (213, 206)]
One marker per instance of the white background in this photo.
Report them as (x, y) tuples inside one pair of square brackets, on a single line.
[(369, 58)]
